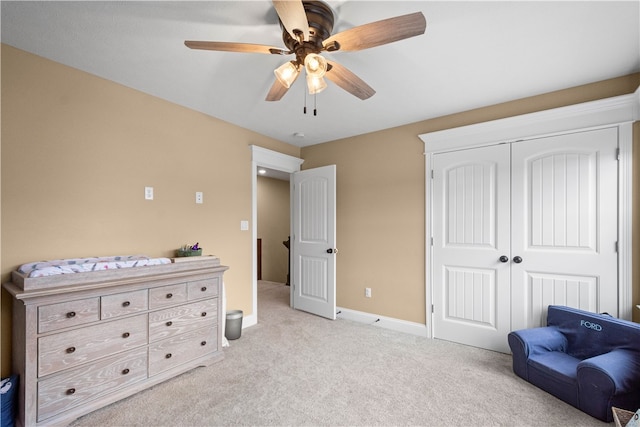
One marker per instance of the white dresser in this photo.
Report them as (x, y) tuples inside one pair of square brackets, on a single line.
[(82, 341)]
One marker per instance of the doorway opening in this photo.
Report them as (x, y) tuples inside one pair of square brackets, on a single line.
[(274, 161)]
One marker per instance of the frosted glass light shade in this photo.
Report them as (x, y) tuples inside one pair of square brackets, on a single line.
[(287, 73), (315, 84), (315, 65)]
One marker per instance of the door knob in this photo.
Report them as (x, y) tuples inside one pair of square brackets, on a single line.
[(517, 259), (332, 251), (504, 258)]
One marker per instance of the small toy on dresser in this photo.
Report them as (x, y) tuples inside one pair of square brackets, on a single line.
[(189, 250)]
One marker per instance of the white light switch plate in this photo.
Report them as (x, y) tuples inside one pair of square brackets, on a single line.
[(148, 193), (244, 225)]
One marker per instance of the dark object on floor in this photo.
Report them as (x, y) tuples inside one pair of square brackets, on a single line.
[(591, 361), (8, 388)]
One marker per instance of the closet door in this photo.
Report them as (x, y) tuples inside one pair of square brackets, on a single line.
[(520, 226), (471, 220), (564, 225)]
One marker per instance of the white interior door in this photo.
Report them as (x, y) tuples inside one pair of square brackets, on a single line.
[(564, 225), (520, 226), (313, 241), (471, 294)]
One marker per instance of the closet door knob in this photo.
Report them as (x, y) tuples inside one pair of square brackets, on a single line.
[(504, 258), (517, 259)]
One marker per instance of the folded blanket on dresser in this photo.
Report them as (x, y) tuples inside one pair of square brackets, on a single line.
[(79, 265)]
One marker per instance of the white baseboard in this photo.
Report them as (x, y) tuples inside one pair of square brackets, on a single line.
[(391, 323), (250, 320)]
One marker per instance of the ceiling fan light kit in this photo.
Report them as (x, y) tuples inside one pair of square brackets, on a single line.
[(306, 32), (315, 84), (287, 73)]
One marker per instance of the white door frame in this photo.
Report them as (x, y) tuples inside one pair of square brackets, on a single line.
[(619, 111), (273, 160)]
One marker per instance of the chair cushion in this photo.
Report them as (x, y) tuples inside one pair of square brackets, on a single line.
[(555, 372)]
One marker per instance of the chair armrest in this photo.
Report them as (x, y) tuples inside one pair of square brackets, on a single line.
[(617, 371), (610, 378), (526, 342)]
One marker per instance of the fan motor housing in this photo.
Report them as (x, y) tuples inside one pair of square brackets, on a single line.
[(320, 18)]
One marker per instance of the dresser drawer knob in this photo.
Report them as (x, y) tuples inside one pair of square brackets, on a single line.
[(125, 371), (168, 356), (126, 335), (169, 295), (126, 304), (71, 349), (204, 313), (71, 314), (71, 391), (203, 343), (203, 289), (169, 323)]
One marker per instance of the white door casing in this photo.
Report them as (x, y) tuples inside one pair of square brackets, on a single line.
[(313, 241), (503, 252), (617, 112), (270, 159)]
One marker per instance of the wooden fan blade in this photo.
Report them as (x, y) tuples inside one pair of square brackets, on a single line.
[(235, 47), (293, 17), (277, 91), (380, 32), (349, 81)]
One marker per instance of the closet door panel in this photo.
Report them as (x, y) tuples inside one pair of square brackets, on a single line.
[(471, 233), (564, 225)]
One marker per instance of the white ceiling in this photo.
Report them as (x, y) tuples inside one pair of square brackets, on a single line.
[(473, 54)]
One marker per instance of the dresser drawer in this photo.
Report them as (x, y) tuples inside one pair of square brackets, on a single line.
[(57, 316), (206, 288), (177, 320), (72, 348), (124, 303), (167, 295), (180, 349), (77, 386)]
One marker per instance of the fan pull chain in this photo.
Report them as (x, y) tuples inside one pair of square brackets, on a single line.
[(304, 92), (315, 111)]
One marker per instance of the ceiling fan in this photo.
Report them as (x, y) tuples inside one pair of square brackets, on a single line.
[(307, 27)]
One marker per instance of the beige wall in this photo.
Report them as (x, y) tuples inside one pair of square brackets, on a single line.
[(273, 227), (77, 152), (381, 202)]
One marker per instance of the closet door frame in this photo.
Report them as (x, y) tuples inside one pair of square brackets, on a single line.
[(619, 112)]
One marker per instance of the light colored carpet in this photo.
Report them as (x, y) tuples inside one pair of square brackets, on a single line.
[(294, 368)]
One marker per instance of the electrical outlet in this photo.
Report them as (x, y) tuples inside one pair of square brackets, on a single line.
[(199, 197), (148, 193), (367, 292)]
